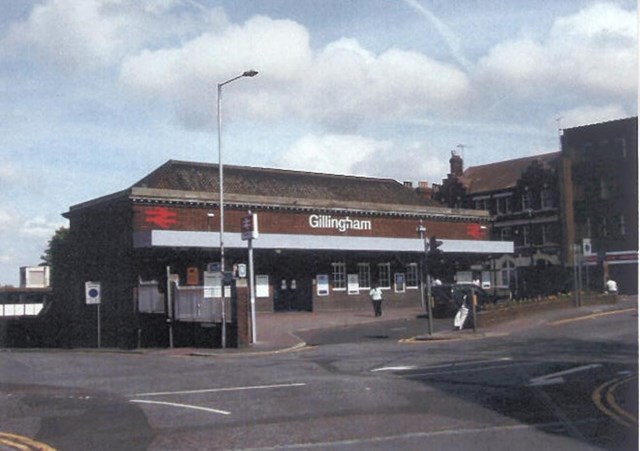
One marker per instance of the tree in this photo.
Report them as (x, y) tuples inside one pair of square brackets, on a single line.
[(58, 252)]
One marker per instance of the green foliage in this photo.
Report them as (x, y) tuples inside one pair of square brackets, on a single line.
[(58, 252)]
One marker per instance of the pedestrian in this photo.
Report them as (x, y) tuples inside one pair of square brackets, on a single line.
[(612, 286), (376, 299)]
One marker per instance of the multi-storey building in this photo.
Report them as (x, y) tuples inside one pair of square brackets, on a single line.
[(600, 201)]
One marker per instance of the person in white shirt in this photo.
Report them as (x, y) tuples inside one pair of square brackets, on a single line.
[(376, 299)]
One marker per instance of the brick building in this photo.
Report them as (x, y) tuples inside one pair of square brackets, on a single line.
[(600, 200), (324, 240), (523, 198), (548, 204)]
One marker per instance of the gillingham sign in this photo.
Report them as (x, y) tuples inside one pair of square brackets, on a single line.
[(340, 224)]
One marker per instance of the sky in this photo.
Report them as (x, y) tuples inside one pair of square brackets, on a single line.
[(95, 94)]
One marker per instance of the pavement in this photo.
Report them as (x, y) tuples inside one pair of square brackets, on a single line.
[(278, 332)]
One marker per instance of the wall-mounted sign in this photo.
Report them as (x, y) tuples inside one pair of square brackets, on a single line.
[(161, 216), (262, 286), (476, 231), (400, 282), (339, 224), (353, 285), (212, 284), (193, 276), (322, 285)]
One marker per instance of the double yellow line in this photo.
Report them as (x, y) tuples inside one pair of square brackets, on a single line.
[(604, 398), (591, 316), (19, 442)]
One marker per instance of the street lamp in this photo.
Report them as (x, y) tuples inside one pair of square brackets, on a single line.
[(249, 73)]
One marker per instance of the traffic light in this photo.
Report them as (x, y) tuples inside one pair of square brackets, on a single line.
[(434, 244)]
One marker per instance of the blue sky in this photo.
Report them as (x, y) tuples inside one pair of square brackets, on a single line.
[(97, 93)]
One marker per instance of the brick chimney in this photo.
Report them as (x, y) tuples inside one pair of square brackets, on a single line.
[(456, 164)]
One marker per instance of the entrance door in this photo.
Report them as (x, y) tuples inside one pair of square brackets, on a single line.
[(292, 293)]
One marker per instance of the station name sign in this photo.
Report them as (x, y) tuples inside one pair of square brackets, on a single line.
[(340, 224)]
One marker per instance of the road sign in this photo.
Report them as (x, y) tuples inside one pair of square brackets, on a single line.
[(249, 227), (92, 292)]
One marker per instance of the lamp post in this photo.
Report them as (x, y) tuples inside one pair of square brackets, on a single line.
[(424, 274), (249, 73)]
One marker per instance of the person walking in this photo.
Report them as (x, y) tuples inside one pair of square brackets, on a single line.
[(612, 286), (376, 299)]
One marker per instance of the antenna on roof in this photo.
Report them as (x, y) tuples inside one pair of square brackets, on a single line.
[(461, 147)]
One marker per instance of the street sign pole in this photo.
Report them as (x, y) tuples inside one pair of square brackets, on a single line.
[(169, 307), (252, 294), (424, 275), (93, 297), (249, 229), (99, 337)]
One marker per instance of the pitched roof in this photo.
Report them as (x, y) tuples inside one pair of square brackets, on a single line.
[(279, 183), (503, 174)]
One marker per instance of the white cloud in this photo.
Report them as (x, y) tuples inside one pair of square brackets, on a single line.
[(359, 155), (7, 220), (590, 115), (39, 228), (590, 53), (335, 154), (95, 34), (339, 86)]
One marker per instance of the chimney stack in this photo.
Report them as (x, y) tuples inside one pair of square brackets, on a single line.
[(456, 164)]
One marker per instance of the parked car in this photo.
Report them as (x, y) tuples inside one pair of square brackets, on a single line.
[(448, 298)]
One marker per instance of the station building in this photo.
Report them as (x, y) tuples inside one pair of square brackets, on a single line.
[(324, 240)]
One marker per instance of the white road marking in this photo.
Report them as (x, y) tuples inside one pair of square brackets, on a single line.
[(445, 365), (556, 378), (393, 368), (216, 390), (184, 406)]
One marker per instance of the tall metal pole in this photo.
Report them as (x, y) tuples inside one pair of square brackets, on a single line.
[(252, 294), (424, 274), (249, 73)]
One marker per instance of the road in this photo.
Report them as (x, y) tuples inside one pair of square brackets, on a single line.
[(561, 385)]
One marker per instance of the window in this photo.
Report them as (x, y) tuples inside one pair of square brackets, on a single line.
[(604, 189), (621, 147), (622, 229), (505, 234), (507, 274), (339, 275), (604, 228), (588, 228), (546, 198), (384, 275), (481, 204), (526, 201), (507, 204), (546, 233), (364, 275), (412, 275), (526, 236)]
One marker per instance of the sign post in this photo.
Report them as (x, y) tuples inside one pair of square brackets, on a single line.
[(92, 296), (249, 232), (424, 274)]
